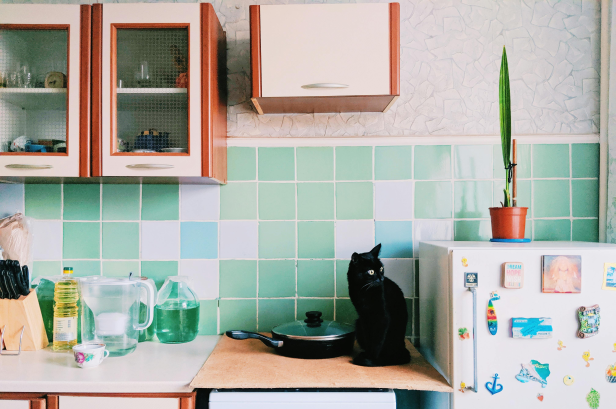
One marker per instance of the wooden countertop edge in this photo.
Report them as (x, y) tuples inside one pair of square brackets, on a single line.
[(229, 366)]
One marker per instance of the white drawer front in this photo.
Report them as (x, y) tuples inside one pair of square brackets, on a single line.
[(14, 404), (94, 402), (325, 43)]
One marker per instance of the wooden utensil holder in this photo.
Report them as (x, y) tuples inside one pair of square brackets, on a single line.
[(23, 313)]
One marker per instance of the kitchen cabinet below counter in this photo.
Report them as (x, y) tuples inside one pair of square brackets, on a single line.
[(153, 368)]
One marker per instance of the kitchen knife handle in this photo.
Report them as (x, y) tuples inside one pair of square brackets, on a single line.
[(270, 342)]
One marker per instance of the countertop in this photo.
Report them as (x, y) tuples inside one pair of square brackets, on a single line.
[(250, 364), (153, 367)]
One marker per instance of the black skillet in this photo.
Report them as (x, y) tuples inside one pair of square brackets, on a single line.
[(312, 338)]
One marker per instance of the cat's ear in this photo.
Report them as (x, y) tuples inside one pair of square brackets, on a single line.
[(354, 258), (376, 250)]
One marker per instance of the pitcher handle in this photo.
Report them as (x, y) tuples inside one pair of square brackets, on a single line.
[(149, 289)]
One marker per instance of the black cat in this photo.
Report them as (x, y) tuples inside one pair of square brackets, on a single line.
[(379, 302)]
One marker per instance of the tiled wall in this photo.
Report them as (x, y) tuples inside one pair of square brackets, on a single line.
[(275, 241), (450, 58)]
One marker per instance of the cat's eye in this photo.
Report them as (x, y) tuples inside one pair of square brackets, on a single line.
[(371, 272), (381, 269)]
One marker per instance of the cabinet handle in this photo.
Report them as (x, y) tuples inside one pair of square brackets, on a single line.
[(325, 85), (149, 166), (24, 166)]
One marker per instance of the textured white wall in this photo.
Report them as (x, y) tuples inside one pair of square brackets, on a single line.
[(450, 62)]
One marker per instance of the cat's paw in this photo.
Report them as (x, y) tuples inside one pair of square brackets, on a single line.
[(363, 360)]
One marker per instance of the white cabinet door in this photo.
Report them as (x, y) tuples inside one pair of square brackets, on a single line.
[(36, 40), (147, 47), (14, 404), (340, 44), (93, 402)]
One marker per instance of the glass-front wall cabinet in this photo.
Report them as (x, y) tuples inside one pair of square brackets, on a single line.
[(151, 89), (39, 90), (151, 78)]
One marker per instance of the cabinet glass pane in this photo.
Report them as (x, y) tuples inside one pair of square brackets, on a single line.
[(152, 90), (33, 97)]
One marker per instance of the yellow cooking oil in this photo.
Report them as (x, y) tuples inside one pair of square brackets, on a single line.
[(66, 298)]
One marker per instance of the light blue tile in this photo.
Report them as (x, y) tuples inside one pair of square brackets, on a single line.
[(432, 162), (396, 239), (199, 240), (11, 199)]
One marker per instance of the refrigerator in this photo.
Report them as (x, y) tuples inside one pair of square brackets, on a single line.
[(547, 351)]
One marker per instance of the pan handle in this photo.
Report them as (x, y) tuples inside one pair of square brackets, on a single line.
[(270, 342)]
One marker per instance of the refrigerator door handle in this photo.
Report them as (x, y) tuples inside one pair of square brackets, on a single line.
[(474, 387)]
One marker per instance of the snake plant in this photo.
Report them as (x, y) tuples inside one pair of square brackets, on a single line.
[(504, 104)]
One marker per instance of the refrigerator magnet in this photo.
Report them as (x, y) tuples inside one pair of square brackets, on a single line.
[(471, 280), (561, 274), (464, 262), (586, 357), (531, 328), (568, 380), (513, 275), (463, 334), (610, 374), (609, 277), (593, 399), (494, 387), (540, 397), (492, 320), (590, 319), (561, 345), (534, 372)]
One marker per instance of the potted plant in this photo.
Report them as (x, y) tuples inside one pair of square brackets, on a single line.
[(508, 221)]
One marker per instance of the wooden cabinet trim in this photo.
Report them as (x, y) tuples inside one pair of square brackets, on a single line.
[(96, 78), (84, 90), (255, 50), (394, 45)]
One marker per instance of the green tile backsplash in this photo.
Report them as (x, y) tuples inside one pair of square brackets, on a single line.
[(275, 241)]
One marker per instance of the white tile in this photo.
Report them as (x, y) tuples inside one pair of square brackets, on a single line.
[(394, 200), (47, 240), (203, 276), (400, 271), (160, 240), (200, 202), (11, 199), (354, 236), (425, 230), (238, 239)]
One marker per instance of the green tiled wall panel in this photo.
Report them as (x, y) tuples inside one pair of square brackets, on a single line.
[(288, 202)]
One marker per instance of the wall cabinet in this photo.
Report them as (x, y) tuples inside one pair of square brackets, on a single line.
[(44, 96), (113, 90), (325, 57), (162, 91)]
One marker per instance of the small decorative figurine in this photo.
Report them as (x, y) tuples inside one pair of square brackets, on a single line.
[(586, 357), (531, 328), (464, 262), (513, 275), (590, 319), (494, 387), (610, 374), (492, 321), (614, 348), (568, 380), (540, 397), (463, 334), (593, 399), (462, 387), (536, 372), (561, 345)]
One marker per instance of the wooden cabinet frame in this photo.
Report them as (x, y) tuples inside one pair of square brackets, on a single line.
[(324, 104), (186, 400)]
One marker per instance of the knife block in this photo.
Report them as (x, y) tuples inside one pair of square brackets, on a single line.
[(23, 313)]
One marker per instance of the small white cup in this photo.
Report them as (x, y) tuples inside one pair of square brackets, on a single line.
[(90, 355)]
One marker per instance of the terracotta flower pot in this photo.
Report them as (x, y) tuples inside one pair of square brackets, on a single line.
[(508, 222)]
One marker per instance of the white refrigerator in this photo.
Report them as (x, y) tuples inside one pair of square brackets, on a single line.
[(543, 362)]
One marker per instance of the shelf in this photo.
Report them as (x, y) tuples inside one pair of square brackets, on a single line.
[(153, 101), (35, 98), (152, 90)]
